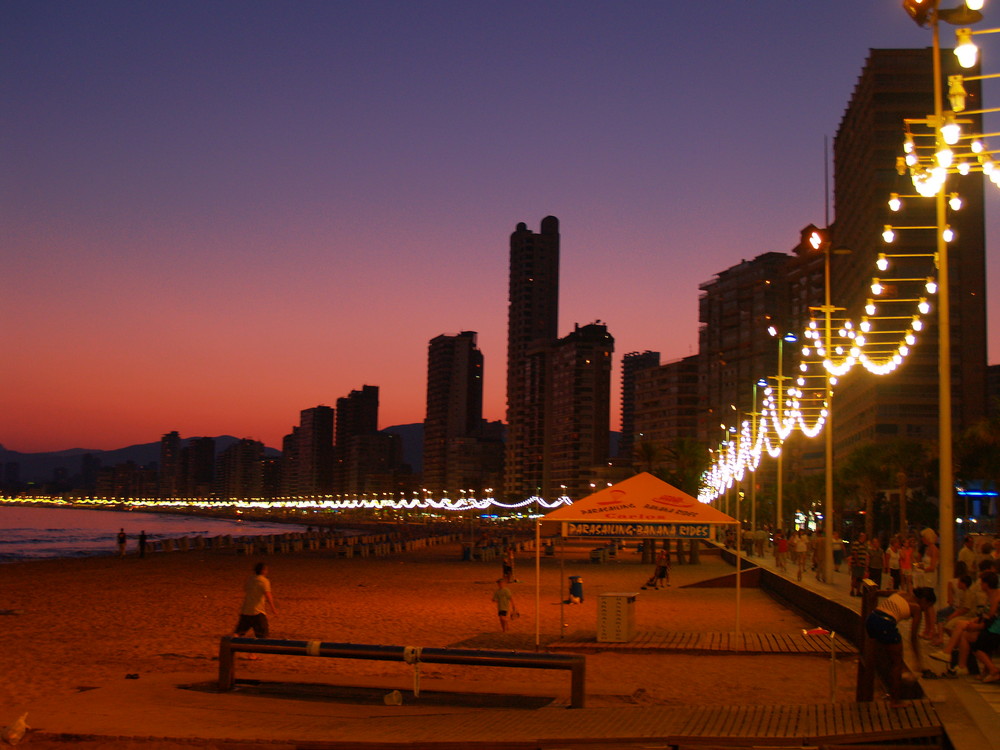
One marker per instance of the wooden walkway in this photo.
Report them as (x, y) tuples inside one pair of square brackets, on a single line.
[(826, 725), (720, 643)]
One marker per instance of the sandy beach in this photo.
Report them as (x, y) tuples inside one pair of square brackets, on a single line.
[(88, 622)]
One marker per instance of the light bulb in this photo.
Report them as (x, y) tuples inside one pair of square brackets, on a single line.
[(876, 287), (882, 263), (977, 146), (894, 202), (923, 306), (870, 307), (908, 145), (965, 50), (944, 157), (948, 234), (931, 285), (955, 202), (917, 324), (887, 234), (866, 325), (963, 168), (951, 131), (974, 4)]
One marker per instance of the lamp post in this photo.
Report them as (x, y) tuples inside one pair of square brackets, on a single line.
[(820, 241), (790, 338), (925, 12), (753, 480)]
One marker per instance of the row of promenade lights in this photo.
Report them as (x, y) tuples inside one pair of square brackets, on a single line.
[(934, 148)]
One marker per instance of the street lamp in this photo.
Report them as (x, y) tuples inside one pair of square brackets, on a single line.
[(753, 480), (963, 15), (790, 338)]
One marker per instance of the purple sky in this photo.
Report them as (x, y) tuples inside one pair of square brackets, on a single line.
[(219, 213)]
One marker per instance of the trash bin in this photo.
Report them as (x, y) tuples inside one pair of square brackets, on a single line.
[(576, 589), (616, 617)]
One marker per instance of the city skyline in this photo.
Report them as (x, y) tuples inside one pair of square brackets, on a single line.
[(219, 215)]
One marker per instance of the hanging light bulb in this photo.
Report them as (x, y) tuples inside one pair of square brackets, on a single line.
[(974, 4), (987, 163), (866, 325), (948, 234), (951, 131), (931, 285), (923, 306), (911, 160), (908, 145), (876, 287), (917, 324), (887, 234), (977, 146), (963, 167), (910, 339), (965, 50), (955, 202), (870, 307), (956, 93), (944, 157), (882, 263), (894, 202)]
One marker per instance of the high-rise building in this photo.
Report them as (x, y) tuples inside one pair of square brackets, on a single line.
[(454, 407), (357, 417), (315, 451), (170, 464), (580, 410), (532, 327), (735, 310), (632, 364), (897, 84), (240, 470), (667, 403)]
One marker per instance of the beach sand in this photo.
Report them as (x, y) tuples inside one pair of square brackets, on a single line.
[(88, 622)]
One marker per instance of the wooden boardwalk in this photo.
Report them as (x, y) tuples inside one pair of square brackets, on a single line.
[(802, 726), (721, 643)]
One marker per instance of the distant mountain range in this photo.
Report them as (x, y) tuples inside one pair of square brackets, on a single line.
[(43, 467)]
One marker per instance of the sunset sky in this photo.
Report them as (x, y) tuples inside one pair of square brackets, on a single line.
[(217, 213)]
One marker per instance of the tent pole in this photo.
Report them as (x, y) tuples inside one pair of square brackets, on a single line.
[(538, 574)]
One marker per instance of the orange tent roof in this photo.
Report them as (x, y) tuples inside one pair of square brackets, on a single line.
[(640, 499)]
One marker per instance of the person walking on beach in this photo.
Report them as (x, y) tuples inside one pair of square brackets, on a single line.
[(800, 548), (508, 564), (505, 603), (882, 627), (257, 597), (661, 576), (122, 542), (142, 543)]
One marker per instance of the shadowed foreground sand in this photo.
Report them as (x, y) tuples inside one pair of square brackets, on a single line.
[(88, 622)]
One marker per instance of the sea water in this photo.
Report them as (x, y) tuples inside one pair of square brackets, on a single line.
[(33, 533)]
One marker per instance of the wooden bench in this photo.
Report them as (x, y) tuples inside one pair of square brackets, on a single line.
[(575, 664)]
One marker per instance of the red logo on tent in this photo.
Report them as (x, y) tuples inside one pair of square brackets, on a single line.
[(616, 497), (674, 501)]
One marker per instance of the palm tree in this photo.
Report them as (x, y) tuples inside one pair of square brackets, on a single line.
[(864, 472), (648, 456), (980, 449), (905, 461), (686, 462)]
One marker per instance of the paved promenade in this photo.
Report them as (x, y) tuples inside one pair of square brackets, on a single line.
[(970, 710)]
